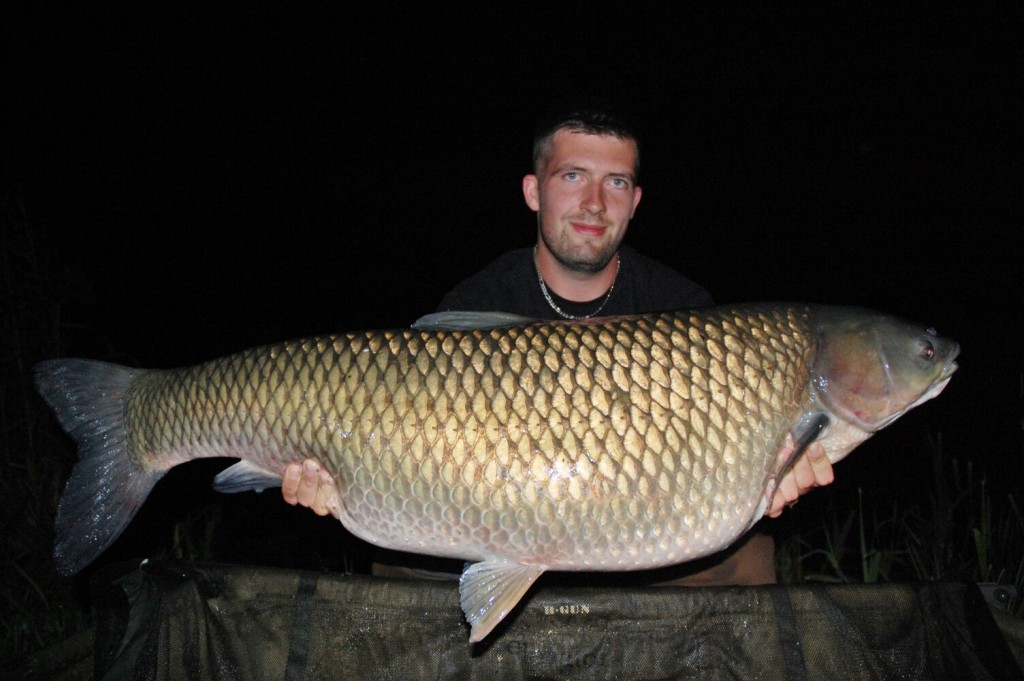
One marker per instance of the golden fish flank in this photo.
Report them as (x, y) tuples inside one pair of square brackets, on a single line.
[(623, 443)]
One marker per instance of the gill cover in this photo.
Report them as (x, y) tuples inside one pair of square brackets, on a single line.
[(869, 368)]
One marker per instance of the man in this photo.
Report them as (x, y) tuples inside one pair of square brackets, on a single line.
[(584, 190)]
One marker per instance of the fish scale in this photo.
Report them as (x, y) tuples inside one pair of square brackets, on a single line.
[(589, 445), (623, 443)]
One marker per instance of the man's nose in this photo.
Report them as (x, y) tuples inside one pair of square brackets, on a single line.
[(593, 199)]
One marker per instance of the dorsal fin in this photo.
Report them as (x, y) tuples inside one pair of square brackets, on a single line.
[(460, 320)]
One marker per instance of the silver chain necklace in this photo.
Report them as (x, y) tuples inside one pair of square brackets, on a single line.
[(560, 311)]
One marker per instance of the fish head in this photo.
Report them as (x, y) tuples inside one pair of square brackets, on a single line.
[(870, 369)]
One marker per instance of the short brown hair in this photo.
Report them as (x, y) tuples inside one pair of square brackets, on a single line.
[(591, 118)]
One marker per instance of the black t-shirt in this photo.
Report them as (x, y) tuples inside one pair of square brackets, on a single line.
[(509, 284)]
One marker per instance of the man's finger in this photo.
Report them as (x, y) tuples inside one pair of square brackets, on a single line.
[(820, 465), (309, 486), (324, 492), (802, 474), (290, 483)]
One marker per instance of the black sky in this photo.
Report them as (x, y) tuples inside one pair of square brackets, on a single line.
[(222, 179)]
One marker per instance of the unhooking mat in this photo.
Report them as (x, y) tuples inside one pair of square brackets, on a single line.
[(170, 621)]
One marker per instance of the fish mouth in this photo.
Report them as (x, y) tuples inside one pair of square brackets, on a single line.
[(950, 367)]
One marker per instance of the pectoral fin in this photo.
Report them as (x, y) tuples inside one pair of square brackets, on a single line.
[(245, 476), (490, 589), (804, 433)]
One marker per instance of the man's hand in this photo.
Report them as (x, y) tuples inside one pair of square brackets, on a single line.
[(812, 469), (309, 485)]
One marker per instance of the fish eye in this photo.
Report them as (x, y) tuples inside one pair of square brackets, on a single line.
[(927, 350)]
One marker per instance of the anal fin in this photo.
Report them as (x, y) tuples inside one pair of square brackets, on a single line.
[(488, 591)]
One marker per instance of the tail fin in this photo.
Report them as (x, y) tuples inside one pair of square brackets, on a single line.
[(106, 489)]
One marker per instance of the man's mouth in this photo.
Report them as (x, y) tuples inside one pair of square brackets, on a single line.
[(588, 228)]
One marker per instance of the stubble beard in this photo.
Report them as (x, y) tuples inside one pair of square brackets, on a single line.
[(578, 258)]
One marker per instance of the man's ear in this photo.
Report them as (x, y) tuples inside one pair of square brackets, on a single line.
[(636, 200), (530, 192)]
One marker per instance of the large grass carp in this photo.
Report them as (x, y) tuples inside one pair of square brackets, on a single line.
[(615, 444)]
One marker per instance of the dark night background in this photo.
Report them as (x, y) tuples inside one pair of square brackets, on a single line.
[(211, 180)]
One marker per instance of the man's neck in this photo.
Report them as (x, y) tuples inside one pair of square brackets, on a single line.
[(571, 284)]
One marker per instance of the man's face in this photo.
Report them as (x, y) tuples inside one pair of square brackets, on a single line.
[(584, 196)]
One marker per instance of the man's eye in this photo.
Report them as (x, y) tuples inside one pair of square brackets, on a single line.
[(572, 177), (620, 183)]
